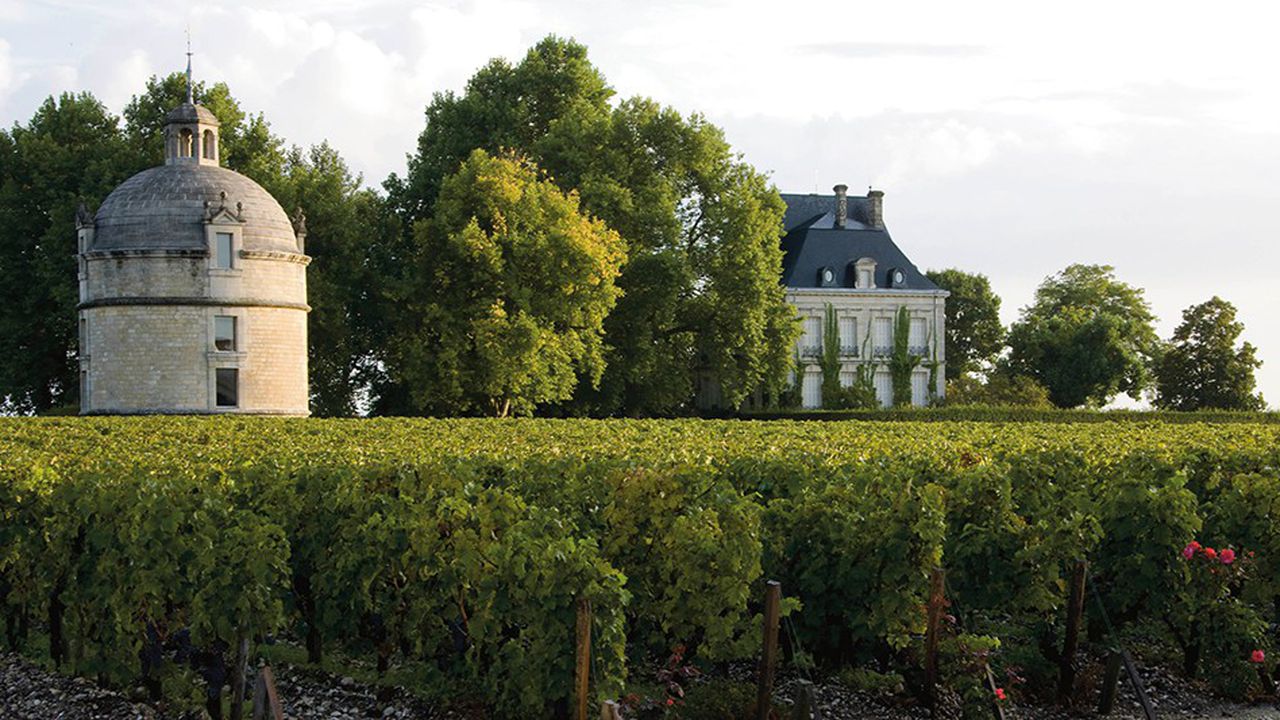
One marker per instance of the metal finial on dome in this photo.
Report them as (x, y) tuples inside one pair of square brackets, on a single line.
[(190, 94)]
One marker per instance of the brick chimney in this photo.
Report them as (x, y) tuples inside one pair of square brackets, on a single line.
[(842, 205), (875, 208)]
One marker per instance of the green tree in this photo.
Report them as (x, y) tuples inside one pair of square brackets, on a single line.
[(515, 282), (701, 295), (974, 335), (70, 152), (1086, 337), (344, 223), (998, 389), (1202, 368)]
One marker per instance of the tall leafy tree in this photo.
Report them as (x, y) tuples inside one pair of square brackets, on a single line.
[(71, 151), (508, 310), (344, 223), (1202, 368), (1086, 337), (701, 297), (974, 335)]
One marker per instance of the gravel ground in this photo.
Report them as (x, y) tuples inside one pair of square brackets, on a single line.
[(27, 692)]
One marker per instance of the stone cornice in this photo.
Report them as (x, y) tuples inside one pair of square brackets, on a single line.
[(147, 253), (197, 301), (276, 255)]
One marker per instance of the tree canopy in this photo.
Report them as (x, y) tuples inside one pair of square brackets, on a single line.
[(71, 151), (974, 334), (1202, 369), (507, 310), (1086, 337), (701, 298)]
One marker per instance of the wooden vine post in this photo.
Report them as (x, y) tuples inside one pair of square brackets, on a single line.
[(769, 654), (1110, 683), (1075, 613), (582, 675), (266, 701), (239, 667), (937, 603)]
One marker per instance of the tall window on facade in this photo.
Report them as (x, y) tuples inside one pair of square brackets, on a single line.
[(849, 335), (222, 251), (884, 388), (920, 389), (227, 383), (224, 333), (84, 389), (916, 340), (811, 341), (208, 144), (883, 336), (811, 391), (84, 337)]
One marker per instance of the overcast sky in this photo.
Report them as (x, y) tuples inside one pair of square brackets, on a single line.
[(1011, 138)]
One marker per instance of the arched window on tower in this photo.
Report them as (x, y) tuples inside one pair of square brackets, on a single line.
[(184, 144), (209, 145)]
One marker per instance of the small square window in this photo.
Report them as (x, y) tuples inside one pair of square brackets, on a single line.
[(222, 251), (224, 333), (228, 386)]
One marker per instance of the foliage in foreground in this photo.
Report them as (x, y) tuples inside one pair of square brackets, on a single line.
[(464, 545)]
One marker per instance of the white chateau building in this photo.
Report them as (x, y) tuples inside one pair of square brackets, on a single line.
[(193, 288), (837, 252)]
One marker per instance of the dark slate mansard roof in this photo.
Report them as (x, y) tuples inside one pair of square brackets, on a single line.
[(811, 242)]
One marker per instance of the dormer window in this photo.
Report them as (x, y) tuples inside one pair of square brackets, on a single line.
[(223, 250), (864, 274), (826, 277)]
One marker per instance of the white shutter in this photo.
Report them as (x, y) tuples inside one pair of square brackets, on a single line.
[(811, 344), (884, 388), (916, 339), (849, 335), (811, 391), (920, 389), (883, 338), (846, 379)]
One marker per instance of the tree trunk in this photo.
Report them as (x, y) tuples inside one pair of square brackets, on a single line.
[(57, 644)]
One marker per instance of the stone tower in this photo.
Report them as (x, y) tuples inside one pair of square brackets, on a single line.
[(193, 288)]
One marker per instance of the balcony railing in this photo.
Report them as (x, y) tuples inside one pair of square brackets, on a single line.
[(920, 350)]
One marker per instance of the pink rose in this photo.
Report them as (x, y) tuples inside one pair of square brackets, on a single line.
[(1227, 556), (1188, 552), (1257, 656), (1211, 553)]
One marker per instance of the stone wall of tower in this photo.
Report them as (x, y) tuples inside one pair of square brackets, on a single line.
[(148, 327)]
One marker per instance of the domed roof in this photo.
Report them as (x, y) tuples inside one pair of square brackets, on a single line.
[(191, 113), (164, 208)]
